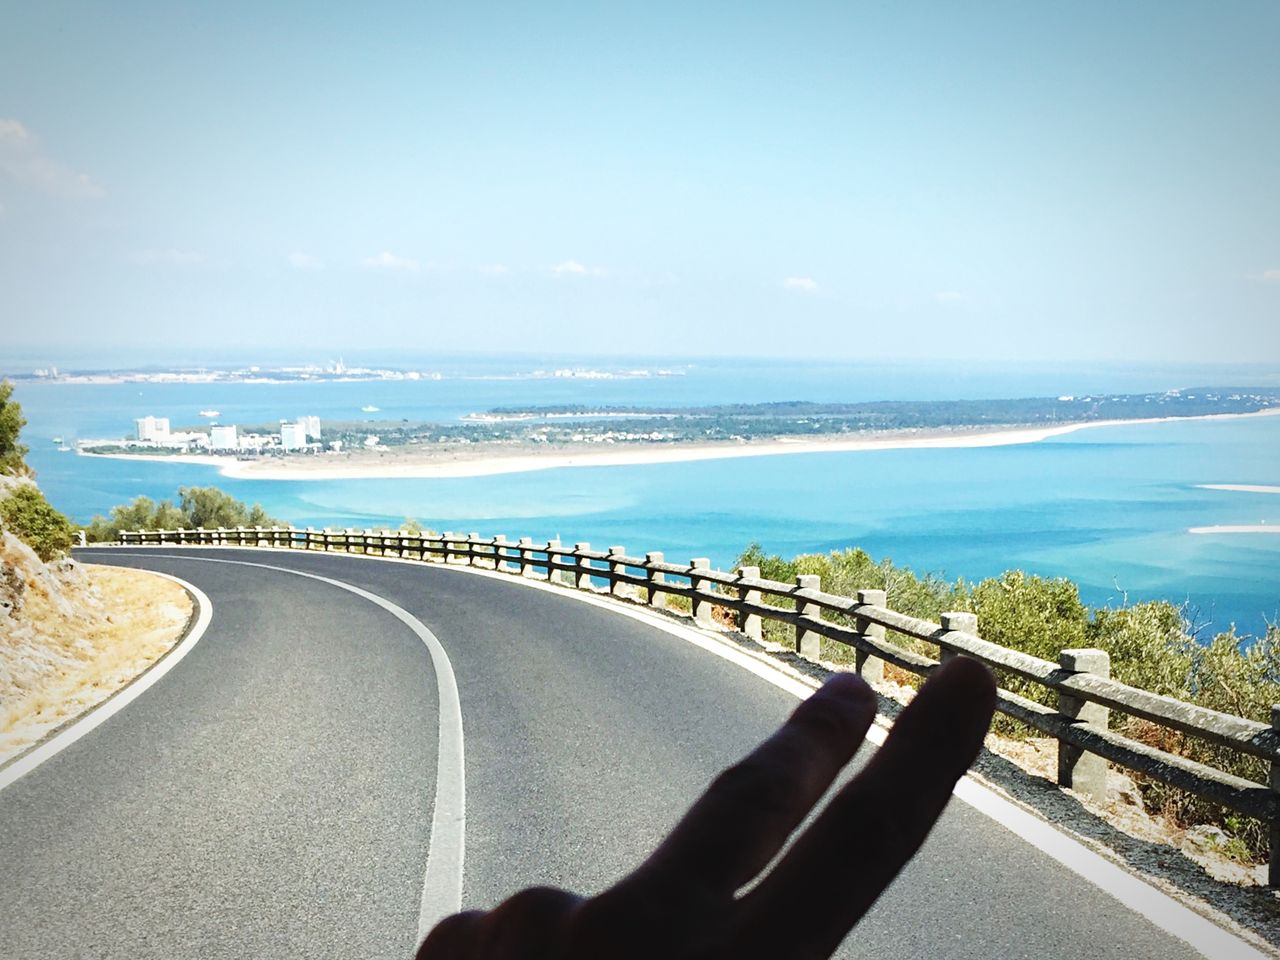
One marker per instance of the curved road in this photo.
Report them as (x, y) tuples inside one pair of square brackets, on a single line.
[(272, 795)]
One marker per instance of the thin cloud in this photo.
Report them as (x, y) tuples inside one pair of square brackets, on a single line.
[(167, 258), (387, 260), (1270, 276), (948, 296), (802, 284), (304, 261), (572, 268), (23, 160)]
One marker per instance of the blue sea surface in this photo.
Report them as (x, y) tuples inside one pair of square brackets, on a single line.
[(1109, 507)]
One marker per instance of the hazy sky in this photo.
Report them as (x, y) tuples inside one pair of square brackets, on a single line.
[(1014, 179)]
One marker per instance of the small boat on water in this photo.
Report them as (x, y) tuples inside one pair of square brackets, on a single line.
[(63, 448), (210, 413), (57, 439), (369, 408)]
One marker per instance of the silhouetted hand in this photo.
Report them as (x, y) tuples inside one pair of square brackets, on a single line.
[(683, 901)]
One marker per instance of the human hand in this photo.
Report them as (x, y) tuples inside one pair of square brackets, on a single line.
[(684, 902)]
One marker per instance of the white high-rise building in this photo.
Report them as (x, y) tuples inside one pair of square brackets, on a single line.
[(293, 436), (153, 429), (312, 425), (223, 438)]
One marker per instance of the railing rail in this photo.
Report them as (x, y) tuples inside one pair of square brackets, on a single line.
[(1085, 692)]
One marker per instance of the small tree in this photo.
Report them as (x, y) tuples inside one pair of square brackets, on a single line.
[(211, 507), (28, 515), (11, 423)]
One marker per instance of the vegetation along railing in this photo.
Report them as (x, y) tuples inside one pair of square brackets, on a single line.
[(1085, 692)]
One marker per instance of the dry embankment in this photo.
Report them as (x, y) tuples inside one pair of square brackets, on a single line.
[(71, 635)]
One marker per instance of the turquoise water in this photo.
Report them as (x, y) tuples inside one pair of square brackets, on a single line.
[(1108, 507)]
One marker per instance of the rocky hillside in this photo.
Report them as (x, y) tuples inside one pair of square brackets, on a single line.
[(71, 634)]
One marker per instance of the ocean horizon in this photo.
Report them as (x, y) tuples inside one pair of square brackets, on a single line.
[(1109, 507)]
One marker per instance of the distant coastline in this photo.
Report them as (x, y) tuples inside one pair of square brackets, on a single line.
[(482, 460)]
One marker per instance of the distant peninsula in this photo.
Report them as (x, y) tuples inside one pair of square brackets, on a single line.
[(517, 439)]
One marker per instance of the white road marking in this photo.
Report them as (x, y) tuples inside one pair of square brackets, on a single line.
[(1209, 938), (108, 708), (442, 880)]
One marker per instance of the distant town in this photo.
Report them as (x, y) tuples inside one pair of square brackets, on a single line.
[(153, 435), (335, 371)]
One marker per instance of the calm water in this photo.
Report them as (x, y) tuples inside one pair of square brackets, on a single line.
[(1108, 507)]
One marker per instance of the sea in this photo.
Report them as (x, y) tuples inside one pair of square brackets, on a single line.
[(1108, 507)]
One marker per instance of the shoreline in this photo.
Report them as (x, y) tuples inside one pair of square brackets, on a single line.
[(1240, 487), (431, 463), (1237, 528)]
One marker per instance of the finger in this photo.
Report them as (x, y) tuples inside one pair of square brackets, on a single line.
[(527, 925), (453, 938), (837, 868), (744, 818)]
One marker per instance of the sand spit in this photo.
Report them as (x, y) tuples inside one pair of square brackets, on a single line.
[(1240, 487), (423, 462), (1238, 528)]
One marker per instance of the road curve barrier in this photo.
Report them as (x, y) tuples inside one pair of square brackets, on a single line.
[(1086, 694)]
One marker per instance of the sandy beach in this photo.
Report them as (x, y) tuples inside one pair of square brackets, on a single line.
[(1238, 528), (1241, 487), (451, 461)]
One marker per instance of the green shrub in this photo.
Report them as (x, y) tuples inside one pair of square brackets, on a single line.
[(28, 515), (198, 507), (1152, 647)]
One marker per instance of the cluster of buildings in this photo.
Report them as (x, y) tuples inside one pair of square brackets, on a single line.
[(301, 434)]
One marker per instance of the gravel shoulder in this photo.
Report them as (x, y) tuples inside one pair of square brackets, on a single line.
[(76, 635)]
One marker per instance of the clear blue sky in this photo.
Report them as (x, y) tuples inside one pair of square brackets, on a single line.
[(1018, 180)]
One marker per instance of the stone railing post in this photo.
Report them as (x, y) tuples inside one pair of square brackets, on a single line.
[(808, 643), (960, 623), (582, 580), (500, 553), (553, 557), (472, 555), (870, 669), (1082, 771), (749, 623), (1273, 781), (525, 548), (701, 605), (653, 593), (616, 587)]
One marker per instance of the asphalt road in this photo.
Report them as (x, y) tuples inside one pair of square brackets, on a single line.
[(271, 796)]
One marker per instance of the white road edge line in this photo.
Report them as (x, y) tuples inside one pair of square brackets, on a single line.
[(122, 698), (1204, 935), (442, 880)]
